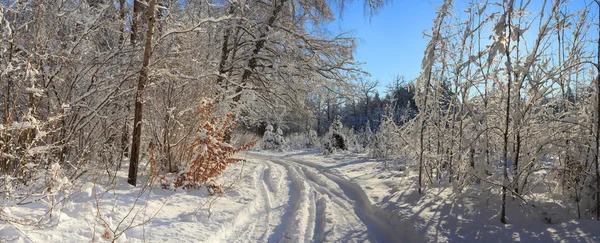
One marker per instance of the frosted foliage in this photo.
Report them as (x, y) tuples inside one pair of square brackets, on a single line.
[(385, 142), (303, 140), (313, 139), (353, 140), (366, 136), (273, 140)]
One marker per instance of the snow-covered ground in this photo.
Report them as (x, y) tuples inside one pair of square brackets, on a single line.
[(442, 215), (285, 197)]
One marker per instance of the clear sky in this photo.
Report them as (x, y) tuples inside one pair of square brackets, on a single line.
[(392, 41)]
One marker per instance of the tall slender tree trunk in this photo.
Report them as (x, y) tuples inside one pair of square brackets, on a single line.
[(225, 54), (516, 162), (137, 8), (125, 130), (258, 47), (596, 168), (122, 20), (507, 117), (137, 120), (428, 69)]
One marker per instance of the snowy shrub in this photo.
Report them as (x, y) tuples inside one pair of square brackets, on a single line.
[(335, 139), (296, 141), (241, 138), (209, 154), (385, 143), (366, 135), (273, 140), (26, 154), (305, 140), (30, 166), (353, 140), (280, 137), (313, 139)]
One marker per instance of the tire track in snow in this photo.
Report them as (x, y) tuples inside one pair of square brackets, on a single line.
[(241, 225), (253, 221), (320, 225), (322, 206), (378, 226), (300, 213), (320, 220), (268, 178), (267, 191), (248, 229), (349, 226), (386, 225)]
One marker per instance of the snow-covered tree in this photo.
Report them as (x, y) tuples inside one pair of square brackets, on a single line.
[(273, 139), (335, 139), (496, 113)]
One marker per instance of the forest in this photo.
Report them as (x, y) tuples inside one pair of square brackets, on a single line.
[(174, 95)]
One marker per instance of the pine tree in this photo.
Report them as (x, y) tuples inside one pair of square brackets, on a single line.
[(335, 138)]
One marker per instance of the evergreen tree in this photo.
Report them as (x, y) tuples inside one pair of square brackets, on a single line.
[(335, 139)]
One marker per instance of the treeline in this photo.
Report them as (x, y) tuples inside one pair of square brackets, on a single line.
[(367, 105)]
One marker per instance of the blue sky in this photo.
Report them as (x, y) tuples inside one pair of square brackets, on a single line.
[(392, 41)]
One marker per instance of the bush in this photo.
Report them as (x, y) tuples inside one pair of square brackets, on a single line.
[(273, 140), (385, 143), (305, 140), (313, 139), (366, 135), (243, 137), (209, 154)]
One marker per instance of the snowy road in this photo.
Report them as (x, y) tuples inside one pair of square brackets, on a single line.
[(298, 201), (270, 198)]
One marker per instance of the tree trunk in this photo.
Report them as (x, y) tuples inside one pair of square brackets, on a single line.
[(122, 19), (260, 44), (516, 162), (429, 66), (125, 130), (598, 123), (137, 8), (506, 119), (224, 55), (137, 120)]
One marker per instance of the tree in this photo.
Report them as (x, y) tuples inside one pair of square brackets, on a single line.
[(143, 80), (366, 88), (335, 139), (385, 143), (403, 99), (597, 154), (500, 31), (425, 82)]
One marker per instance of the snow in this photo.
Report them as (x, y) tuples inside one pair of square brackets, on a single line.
[(441, 215), (37, 92), (300, 196), (21, 125)]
